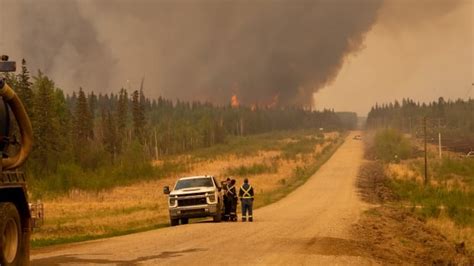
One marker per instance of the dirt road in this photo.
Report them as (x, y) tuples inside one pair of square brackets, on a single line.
[(310, 226)]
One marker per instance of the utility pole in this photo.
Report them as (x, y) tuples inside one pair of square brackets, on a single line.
[(439, 137), (426, 156)]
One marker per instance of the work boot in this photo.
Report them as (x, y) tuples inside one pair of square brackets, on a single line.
[(244, 219), (250, 219)]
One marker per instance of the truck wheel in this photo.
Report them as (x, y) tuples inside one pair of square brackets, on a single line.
[(10, 234), (184, 220), (174, 222)]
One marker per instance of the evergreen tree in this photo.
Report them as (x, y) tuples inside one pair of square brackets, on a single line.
[(110, 138), (92, 98), (46, 124), (23, 87), (82, 126), (122, 114), (138, 116)]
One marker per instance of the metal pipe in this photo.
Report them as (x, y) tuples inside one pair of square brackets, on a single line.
[(24, 124)]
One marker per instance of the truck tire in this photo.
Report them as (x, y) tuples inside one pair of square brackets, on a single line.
[(10, 234), (184, 220), (174, 222)]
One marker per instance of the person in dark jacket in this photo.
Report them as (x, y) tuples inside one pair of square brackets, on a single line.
[(246, 195), (227, 199), (233, 201)]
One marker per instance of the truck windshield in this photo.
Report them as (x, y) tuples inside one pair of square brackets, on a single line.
[(195, 182)]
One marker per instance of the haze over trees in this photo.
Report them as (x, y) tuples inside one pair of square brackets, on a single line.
[(85, 131), (453, 119)]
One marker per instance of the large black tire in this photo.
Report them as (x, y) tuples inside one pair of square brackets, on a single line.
[(174, 222), (10, 235), (184, 220)]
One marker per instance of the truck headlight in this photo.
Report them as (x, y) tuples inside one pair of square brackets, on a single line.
[(212, 197), (173, 201)]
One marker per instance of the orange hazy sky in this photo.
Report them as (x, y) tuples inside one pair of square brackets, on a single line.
[(421, 50)]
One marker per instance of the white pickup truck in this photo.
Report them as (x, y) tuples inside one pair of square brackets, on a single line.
[(194, 197)]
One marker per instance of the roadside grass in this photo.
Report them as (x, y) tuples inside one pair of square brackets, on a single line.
[(449, 192), (111, 232), (71, 176), (300, 147), (432, 201), (254, 169), (449, 167), (249, 145)]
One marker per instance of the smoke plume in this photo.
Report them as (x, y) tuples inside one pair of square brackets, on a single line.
[(194, 50)]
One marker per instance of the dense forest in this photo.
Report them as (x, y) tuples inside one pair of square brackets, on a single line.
[(453, 119), (86, 130)]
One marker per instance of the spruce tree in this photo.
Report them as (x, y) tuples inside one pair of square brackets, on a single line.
[(138, 116), (45, 123), (110, 138), (82, 126), (23, 87), (121, 118)]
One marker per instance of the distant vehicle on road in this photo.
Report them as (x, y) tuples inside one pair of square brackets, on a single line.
[(470, 154), (357, 137), (194, 197)]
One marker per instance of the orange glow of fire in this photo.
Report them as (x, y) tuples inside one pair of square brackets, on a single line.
[(274, 102), (234, 101)]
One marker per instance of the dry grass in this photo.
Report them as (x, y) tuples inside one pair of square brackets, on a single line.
[(143, 205), (403, 171), (453, 232)]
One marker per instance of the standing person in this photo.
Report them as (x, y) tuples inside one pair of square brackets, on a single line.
[(227, 200), (234, 200), (246, 197)]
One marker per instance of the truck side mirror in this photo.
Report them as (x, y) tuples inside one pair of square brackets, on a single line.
[(166, 190)]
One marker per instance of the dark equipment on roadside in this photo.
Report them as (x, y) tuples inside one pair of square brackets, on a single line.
[(5, 65), (227, 200), (15, 215), (233, 201)]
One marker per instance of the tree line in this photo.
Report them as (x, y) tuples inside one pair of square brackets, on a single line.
[(88, 129), (453, 119)]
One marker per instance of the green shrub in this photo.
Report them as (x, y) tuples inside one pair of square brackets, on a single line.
[(390, 145)]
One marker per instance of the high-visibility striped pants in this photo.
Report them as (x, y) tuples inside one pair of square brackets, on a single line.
[(247, 208)]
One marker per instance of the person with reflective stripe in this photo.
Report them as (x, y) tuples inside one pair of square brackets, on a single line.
[(233, 201), (246, 199)]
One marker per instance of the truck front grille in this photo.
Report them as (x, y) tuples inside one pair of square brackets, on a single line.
[(194, 211), (191, 202)]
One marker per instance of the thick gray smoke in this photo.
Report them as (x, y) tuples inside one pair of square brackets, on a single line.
[(194, 50)]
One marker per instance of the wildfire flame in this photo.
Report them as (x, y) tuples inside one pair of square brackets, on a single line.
[(234, 101), (274, 102)]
